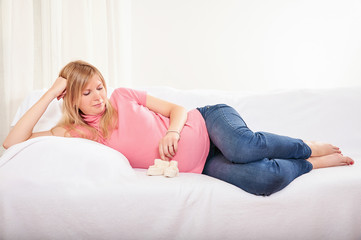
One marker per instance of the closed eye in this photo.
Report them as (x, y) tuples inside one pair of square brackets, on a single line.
[(88, 90)]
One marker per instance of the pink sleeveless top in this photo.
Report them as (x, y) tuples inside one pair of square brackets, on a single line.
[(140, 130)]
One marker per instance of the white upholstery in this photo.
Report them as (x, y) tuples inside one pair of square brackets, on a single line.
[(58, 188)]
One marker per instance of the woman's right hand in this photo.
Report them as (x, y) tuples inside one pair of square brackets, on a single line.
[(23, 129), (59, 87)]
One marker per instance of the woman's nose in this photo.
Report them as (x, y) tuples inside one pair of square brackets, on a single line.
[(96, 95)]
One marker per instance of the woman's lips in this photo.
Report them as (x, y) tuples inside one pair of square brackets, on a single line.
[(98, 105)]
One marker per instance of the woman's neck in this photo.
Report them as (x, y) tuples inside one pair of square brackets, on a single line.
[(93, 120)]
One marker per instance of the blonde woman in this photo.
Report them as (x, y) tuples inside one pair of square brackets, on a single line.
[(213, 140)]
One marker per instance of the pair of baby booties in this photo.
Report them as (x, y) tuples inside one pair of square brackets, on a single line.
[(166, 168)]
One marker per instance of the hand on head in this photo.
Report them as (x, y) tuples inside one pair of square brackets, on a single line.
[(59, 87), (61, 95)]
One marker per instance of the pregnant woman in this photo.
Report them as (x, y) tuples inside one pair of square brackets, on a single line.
[(213, 140)]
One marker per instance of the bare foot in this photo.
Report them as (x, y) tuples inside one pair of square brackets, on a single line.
[(321, 149), (332, 160)]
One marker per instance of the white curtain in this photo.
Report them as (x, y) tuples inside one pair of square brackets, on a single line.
[(38, 37)]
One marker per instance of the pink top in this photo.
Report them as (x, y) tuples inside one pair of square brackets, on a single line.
[(140, 130)]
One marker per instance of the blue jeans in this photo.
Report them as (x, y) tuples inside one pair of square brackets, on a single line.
[(260, 163)]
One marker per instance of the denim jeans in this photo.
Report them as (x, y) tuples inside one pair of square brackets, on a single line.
[(260, 163)]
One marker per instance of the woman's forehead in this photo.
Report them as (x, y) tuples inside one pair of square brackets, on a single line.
[(93, 82)]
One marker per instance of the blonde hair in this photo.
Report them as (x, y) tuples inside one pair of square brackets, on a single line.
[(77, 74)]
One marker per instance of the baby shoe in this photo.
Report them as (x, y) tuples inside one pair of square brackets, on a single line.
[(158, 167), (172, 170)]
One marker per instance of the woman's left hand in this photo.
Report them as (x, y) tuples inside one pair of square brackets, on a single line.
[(168, 146)]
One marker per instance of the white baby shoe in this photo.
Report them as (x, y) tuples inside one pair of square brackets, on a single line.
[(172, 170), (158, 167)]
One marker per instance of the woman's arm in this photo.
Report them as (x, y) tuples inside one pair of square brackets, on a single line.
[(168, 145), (22, 131)]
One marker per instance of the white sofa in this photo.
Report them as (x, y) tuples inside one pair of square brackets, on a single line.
[(68, 188)]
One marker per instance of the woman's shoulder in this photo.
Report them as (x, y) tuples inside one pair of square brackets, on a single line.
[(60, 132), (126, 91), (56, 131), (129, 94)]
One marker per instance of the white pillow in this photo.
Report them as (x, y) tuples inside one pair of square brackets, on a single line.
[(64, 160), (51, 116)]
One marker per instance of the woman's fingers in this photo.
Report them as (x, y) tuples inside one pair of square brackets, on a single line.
[(61, 95), (175, 146), (162, 152), (59, 87), (168, 148)]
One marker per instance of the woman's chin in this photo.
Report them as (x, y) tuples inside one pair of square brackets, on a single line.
[(98, 109), (95, 112)]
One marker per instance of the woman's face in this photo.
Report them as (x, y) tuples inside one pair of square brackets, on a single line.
[(93, 97)]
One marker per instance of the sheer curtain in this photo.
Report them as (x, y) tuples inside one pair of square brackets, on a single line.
[(38, 37)]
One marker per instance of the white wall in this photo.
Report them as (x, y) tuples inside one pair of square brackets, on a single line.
[(246, 45)]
